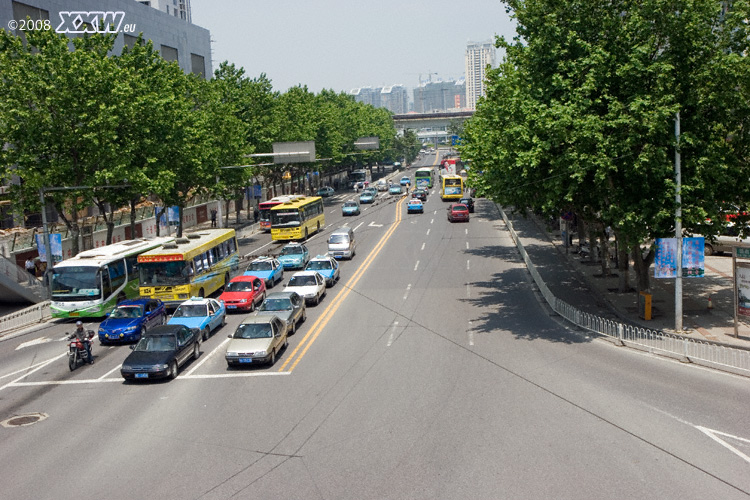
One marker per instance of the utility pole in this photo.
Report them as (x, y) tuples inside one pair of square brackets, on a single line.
[(678, 229)]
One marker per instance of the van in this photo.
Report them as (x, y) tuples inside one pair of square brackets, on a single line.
[(341, 243)]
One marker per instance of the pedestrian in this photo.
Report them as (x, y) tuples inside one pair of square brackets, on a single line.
[(30, 267), (213, 217), (256, 214)]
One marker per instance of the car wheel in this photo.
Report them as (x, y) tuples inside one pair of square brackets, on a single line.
[(304, 315), (196, 350), (144, 331), (224, 320), (251, 308), (317, 300), (272, 359), (708, 250), (173, 370), (293, 328), (206, 332)]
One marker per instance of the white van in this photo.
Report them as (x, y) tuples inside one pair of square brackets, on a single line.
[(341, 243)]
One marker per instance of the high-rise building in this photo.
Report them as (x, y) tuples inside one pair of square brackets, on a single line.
[(367, 95), (440, 96), (479, 55), (395, 98), (176, 8)]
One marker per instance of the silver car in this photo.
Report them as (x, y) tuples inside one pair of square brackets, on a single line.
[(258, 339), (288, 306)]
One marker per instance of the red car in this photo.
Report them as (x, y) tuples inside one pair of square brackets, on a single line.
[(458, 212), (243, 293)]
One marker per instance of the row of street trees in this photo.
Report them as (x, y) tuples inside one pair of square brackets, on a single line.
[(74, 114), (580, 117)]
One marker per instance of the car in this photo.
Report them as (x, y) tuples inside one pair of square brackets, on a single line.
[(257, 340), (243, 293), (266, 268), (396, 164), (469, 202), (326, 191), (294, 256), (366, 197), (730, 236), (458, 212), (288, 306), (131, 319), (161, 352), (373, 190), (203, 314), (419, 193), (405, 180), (415, 206), (350, 207), (310, 285), (326, 266), (381, 185), (394, 190)]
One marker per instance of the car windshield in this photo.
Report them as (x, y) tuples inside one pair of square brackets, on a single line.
[(240, 286), (338, 238), (260, 266), (254, 331), (127, 312), (156, 343), (302, 281), (191, 311), (276, 305), (350, 204), (295, 250), (317, 265)]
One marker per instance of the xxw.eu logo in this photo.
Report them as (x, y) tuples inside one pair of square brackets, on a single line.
[(91, 22)]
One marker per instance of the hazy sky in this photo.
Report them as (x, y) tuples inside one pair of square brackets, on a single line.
[(342, 45)]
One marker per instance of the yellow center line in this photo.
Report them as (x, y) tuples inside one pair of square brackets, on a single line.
[(323, 320)]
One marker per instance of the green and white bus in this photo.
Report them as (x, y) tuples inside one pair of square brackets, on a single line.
[(94, 281), (423, 178)]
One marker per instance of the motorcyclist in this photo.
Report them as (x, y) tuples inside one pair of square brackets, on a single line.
[(83, 336)]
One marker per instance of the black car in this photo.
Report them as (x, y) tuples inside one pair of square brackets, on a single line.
[(419, 193), (469, 202), (161, 352)]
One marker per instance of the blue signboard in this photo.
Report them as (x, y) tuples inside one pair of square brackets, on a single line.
[(693, 260)]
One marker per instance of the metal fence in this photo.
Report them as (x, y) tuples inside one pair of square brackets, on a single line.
[(703, 352), (25, 317)]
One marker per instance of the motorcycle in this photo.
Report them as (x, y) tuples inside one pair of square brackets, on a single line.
[(77, 350)]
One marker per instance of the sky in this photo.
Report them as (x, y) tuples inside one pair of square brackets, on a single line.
[(342, 45)]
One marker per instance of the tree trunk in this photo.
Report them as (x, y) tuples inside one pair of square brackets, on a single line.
[(132, 218), (179, 222), (604, 238), (226, 213), (642, 265), (623, 266), (72, 225), (581, 228)]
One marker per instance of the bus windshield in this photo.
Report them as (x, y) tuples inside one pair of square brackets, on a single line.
[(163, 273), (288, 218), (76, 283)]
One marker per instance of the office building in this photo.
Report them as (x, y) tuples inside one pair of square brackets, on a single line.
[(478, 57), (177, 8), (432, 97)]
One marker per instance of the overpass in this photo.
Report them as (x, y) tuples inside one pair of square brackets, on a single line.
[(430, 126)]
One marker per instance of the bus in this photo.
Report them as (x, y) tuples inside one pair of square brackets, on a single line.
[(451, 187), (297, 219), (451, 166), (265, 210), (359, 177), (423, 178), (94, 281), (193, 266)]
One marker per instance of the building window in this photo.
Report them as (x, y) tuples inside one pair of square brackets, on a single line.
[(169, 53)]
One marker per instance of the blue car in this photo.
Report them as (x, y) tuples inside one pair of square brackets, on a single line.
[(405, 180), (366, 197), (294, 256), (350, 207), (395, 190), (266, 268), (131, 319), (326, 266), (200, 314), (415, 206)]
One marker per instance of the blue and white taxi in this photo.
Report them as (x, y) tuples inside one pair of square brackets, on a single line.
[(266, 268), (294, 256), (327, 266), (201, 314)]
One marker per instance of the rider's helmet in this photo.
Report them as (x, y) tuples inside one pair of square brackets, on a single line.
[(79, 324)]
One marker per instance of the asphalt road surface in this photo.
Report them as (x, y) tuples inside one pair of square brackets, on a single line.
[(429, 371)]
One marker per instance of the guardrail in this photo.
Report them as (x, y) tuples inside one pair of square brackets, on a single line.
[(703, 352), (34, 314)]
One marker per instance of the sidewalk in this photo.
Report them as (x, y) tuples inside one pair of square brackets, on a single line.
[(579, 282)]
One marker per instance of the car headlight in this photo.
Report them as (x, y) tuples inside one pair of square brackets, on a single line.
[(243, 301), (160, 367), (260, 353), (232, 353), (131, 328)]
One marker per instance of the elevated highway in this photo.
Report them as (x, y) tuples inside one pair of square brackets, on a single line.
[(430, 126)]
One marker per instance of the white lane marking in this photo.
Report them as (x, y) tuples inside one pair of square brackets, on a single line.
[(233, 375), (42, 365), (432, 220), (392, 336), (468, 266), (110, 372), (332, 211), (468, 290), (372, 224), (713, 435), (467, 245), (40, 340), (416, 265), (423, 244), (466, 231), (205, 357), (24, 369), (357, 226), (428, 232), (179, 377), (408, 287), (248, 255), (471, 338)]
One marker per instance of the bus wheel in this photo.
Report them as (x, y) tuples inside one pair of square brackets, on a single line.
[(202, 293), (318, 229)]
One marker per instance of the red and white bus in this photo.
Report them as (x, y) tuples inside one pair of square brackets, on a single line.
[(265, 209)]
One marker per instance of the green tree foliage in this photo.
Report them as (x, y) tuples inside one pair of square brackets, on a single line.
[(580, 115), (407, 146)]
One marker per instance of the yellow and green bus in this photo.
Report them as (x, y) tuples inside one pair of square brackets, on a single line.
[(297, 219), (451, 187), (193, 266), (423, 178)]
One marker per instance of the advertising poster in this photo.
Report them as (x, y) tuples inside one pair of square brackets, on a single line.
[(693, 260), (55, 243), (743, 288)]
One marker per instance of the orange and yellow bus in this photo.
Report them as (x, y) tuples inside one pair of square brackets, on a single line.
[(193, 266), (451, 187), (297, 219)]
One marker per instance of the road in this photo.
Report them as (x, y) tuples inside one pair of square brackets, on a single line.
[(431, 370)]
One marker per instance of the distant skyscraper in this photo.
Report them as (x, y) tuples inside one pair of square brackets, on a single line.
[(394, 98), (176, 8), (478, 57), (439, 96)]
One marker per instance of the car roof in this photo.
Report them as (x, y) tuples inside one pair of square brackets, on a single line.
[(281, 295), (321, 257), (260, 318), (134, 302), (294, 244), (244, 277), (262, 259), (195, 300), (459, 206), (305, 273), (164, 330)]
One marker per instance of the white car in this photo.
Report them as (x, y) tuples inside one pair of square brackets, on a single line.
[(381, 185), (310, 285)]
